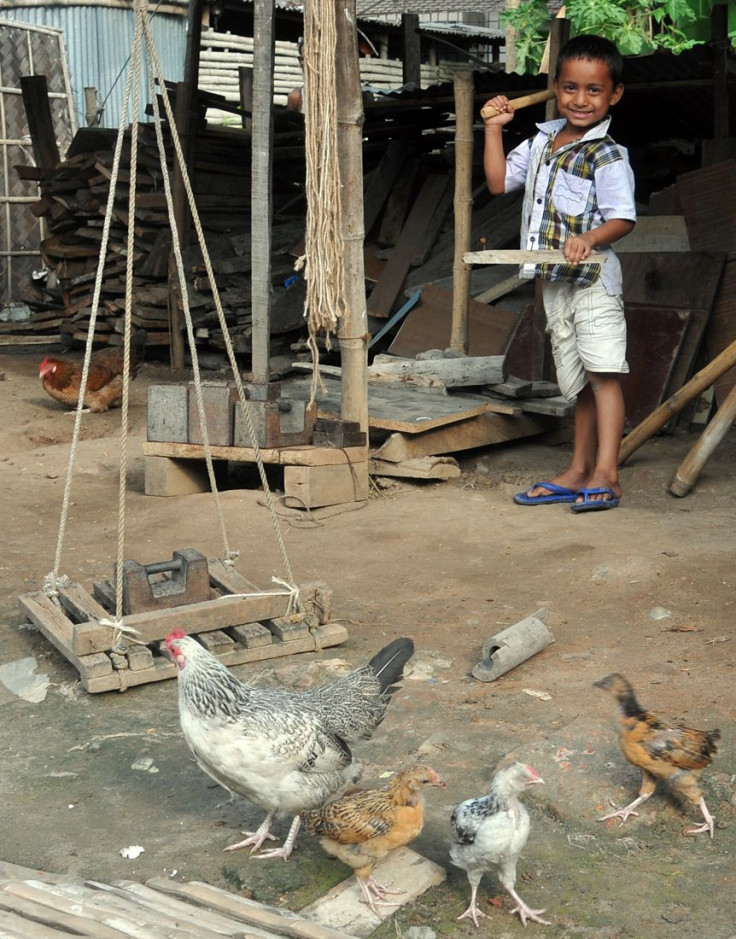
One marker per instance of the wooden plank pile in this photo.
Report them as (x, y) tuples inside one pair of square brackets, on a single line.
[(73, 202), (38, 905), (238, 623)]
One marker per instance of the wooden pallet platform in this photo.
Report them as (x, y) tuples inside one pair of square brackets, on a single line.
[(38, 905), (313, 476), (240, 623)]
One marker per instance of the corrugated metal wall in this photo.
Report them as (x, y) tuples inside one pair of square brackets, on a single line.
[(98, 42)]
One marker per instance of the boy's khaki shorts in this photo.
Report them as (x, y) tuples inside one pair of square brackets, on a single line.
[(587, 331)]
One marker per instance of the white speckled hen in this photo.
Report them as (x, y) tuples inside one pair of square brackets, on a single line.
[(284, 751), (492, 831)]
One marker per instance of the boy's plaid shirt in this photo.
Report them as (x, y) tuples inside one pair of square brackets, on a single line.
[(569, 192), (556, 227)]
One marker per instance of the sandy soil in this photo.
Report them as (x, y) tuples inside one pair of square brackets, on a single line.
[(449, 564)]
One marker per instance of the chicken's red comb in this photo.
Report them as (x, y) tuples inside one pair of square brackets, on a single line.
[(175, 634)]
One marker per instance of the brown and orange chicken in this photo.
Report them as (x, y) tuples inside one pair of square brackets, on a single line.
[(365, 825), (661, 750), (62, 377)]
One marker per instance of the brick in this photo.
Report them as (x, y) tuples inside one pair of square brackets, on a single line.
[(168, 477)]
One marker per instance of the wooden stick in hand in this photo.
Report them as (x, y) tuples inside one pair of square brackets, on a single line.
[(517, 103)]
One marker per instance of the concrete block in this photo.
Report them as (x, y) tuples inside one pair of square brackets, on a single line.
[(168, 477), (167, 416), (219, 399)]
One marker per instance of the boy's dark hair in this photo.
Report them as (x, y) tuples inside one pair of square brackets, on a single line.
[(593, 48)]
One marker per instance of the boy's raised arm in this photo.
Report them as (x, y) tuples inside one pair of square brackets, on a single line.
[(494, 158)]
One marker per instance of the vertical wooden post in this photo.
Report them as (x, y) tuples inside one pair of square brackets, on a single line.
[(353, 328), (559, 33), (261, 198), (245, 87), (184, 117), (719, 45), (92, 110), (412, 72), (463, 86), (512, 59)]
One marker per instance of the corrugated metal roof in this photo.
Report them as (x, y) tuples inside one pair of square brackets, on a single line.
[(373, 7), (98, 42)]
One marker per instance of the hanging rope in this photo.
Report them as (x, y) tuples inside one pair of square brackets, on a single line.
[(244, 404), (53, 581), (323, 260)]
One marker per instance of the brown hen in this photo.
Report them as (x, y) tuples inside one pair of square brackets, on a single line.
[(61, 377), (674, 753), (364, 825)]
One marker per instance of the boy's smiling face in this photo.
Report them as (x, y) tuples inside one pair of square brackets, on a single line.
[(585, 92)]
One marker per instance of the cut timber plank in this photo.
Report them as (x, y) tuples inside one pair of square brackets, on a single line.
[(225, 611), (425, 467), (331, 634), (393, 406), (408, 872), (656, 233), (523, 256), (41, 611), (429, 326), (415, 234), (283, 922), (479, 431), (286, 456), (210, 923)]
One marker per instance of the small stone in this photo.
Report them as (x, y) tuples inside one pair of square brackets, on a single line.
[(658, 612), (676, 913)]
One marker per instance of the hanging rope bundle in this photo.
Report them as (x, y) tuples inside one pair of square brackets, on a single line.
[(143, 34), (323, 264)]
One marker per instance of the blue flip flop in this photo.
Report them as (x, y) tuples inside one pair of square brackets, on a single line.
[(556, 494), (596, 505)]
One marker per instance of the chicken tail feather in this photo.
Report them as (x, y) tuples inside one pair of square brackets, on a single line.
[(388, 664)]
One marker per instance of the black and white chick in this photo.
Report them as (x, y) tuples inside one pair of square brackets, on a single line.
[(492, 831)]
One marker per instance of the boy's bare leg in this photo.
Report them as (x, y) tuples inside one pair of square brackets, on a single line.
[(582, 462), (608, 402)]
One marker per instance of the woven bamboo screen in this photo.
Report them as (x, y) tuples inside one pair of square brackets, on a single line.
[(26, 50)]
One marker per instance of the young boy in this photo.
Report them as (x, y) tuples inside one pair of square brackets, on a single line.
[(579, 197)]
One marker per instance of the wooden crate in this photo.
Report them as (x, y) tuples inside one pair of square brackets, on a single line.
[(240, 623)]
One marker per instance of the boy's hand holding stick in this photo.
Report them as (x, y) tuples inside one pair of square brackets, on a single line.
[(487, 111)]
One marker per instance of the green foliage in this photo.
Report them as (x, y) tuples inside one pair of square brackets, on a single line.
[(636, 26)]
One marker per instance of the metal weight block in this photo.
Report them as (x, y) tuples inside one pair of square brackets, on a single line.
[(277, 421), (183, 580)]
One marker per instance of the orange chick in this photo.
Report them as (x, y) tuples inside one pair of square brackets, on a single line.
[(365, 825), (61, 377), (674, 753)]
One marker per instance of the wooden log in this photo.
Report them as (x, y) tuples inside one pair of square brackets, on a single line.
[(688, 471), (451, 372), (676, 402)]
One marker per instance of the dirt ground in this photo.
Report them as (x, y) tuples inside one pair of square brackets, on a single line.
[(449, 564)]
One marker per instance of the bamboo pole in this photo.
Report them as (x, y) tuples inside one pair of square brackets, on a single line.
[(688, 471), (674, 404), (185, 126), (353, 328), (463, 86), (261, 197)]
